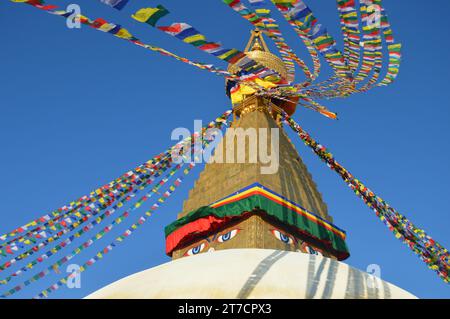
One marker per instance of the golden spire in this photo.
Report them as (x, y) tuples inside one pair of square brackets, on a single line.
[(257, 46), (256, 42)]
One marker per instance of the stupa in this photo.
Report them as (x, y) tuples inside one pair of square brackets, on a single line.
[(253, 228)]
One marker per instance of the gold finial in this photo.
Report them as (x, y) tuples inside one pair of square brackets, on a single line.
[(257, 46), (256, 42)]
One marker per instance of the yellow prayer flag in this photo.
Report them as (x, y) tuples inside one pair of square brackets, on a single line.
[(142, 15), (193, 38)]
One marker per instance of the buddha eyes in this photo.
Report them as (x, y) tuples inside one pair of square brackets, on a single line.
[(227, 236), (312, 251), (282, 237), (222, 238), (195, 250)]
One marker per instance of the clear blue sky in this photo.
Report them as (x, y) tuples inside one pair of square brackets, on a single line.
[(79, 107)]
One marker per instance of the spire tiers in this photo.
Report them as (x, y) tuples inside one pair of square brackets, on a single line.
[(292, 179)]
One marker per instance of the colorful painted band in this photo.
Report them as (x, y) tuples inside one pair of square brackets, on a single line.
[(255, 199)]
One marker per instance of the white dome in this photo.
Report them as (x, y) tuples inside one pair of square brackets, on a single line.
[(251, 273)]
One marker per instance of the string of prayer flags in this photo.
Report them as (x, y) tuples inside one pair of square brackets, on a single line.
[(261, 18), (374, 21), (71, 217), (370, 44), (37, 4), (218, 123), (356, 69), (374, 24), (100, 254), (63, 216), (300, 16), (104, 26), (91, 210), (105, 195), (321, 41), (78, 234), (371, 60), (82, 231), (394, 51), (100, 198), (188, 34), (120, 32), (319, 108), (80, 248), (206, 139), (431, 252), (350, 30)]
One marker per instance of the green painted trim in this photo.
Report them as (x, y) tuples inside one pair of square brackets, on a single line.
[(272, 209)]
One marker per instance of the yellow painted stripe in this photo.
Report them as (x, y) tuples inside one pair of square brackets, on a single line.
[(285, 202)]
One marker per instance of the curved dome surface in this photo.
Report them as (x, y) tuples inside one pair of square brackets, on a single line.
[(251, 273)]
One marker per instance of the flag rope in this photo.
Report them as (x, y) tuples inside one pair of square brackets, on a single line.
[(177, 149), (69, 240), (142, 219), (108, 248), (429, 251)]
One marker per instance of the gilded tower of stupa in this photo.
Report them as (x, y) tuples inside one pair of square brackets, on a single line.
[(243, 204)]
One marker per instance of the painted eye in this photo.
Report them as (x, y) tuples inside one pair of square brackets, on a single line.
[(195, 250), (313, 251), (227, 236), (282, 237)]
